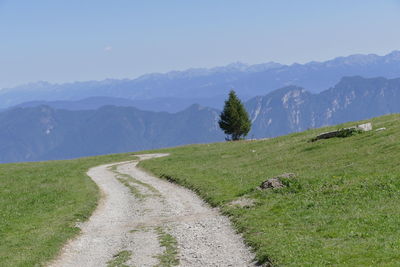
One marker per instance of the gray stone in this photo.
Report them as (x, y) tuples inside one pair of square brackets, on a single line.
[(362, 127), (276, 182), (365, 127), (272, 183), (327, 135)]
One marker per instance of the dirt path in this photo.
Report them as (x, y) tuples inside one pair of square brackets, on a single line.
[(145, 221)]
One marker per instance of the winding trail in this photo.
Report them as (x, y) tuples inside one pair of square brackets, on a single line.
[(143, 221)]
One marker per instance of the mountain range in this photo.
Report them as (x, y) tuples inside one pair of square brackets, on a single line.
[(292, 109), (30, 132), (172, 105), (175, 91), (44, 133)]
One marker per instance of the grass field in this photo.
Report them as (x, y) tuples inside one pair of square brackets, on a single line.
[(40, 204), (342, 209)]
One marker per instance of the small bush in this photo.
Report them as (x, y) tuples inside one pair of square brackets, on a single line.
[(347, 132)]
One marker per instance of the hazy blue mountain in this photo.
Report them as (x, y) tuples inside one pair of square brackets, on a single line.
[(43, 133), (293, 109), (171, 105), (192, 84)]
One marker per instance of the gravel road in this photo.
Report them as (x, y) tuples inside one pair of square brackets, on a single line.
[(143, 221)]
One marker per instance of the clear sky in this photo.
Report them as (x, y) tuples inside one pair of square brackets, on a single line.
[(75, 40)]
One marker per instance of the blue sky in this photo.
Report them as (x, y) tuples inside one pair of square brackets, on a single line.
[(70, 40)]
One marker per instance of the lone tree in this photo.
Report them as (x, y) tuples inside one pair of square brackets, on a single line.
[(234, 120)]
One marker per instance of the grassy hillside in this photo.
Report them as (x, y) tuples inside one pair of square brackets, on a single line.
[(343, 209), (40, 204)]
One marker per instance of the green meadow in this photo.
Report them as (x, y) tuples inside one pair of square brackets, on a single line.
[(40, 203), (342, 209)]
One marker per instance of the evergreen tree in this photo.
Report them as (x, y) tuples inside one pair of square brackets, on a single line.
[(234, 119)]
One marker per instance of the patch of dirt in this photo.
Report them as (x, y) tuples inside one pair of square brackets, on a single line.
[(242, 202)]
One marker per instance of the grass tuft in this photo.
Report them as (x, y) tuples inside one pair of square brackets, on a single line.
[(120, 259), (170, 255), (128, 180), (134, 190)]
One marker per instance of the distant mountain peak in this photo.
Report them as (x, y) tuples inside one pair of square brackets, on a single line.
[(394, 55), (289, 89), (237, 65), (196, 72), (211, 83), (358, 78)]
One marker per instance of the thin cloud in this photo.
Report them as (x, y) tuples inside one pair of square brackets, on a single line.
[(108, 48)]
